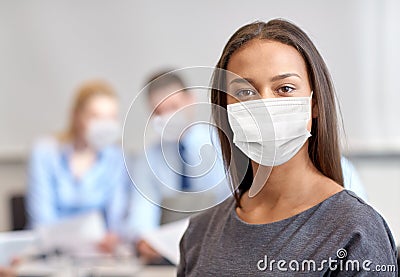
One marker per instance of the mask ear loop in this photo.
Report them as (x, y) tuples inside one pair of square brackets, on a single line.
[(311, 105)]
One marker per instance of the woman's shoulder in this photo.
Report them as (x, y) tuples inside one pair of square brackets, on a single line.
[(365, 232), (46, 145), (353, 215), (354, 209), (351, 210), (214, 217), (45, 151)]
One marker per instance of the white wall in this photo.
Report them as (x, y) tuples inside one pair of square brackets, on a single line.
[(48, 47)]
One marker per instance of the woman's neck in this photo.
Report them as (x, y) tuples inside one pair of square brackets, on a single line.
[(81, 146), (289, 189), (81, 159)]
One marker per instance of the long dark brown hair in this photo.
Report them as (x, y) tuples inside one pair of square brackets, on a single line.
[(324, 145)]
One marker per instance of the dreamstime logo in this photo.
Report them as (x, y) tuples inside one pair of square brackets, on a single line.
[(160, 136), (341, 253), (309, 265)]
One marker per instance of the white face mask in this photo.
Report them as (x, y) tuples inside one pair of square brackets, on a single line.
[(270, 131), (102, 133), (170, 126)]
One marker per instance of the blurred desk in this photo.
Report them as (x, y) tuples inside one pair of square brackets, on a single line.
[(158, 271), (62, 267)]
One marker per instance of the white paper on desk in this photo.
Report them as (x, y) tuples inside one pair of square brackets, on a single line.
[(14, 244), (165, 240), (76, 235)]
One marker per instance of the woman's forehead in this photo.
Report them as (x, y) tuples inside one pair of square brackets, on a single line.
[(261, 58)]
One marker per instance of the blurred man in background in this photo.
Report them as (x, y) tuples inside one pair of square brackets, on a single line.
[(169, 164)]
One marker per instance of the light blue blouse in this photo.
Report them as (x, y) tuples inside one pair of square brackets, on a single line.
[(54, 193)]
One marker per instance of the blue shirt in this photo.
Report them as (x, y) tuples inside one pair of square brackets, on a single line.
[(352, 180), (54, 193), (157, 172)]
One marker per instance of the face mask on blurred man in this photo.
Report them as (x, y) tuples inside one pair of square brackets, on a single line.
[(170, 126)]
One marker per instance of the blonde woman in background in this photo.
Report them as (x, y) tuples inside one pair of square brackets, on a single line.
[(82, 169)]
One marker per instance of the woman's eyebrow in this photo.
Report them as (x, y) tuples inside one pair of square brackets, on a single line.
[(241, 81), (273, 79), (283, 76)]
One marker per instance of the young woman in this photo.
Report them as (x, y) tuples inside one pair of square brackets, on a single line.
[(81, 169), (290, 214)]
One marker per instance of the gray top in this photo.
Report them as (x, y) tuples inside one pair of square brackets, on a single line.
[(333, 238)]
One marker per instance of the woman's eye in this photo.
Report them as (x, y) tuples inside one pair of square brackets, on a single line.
[(244, 93), (285, 89)]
